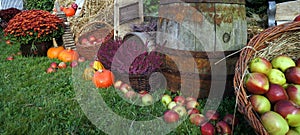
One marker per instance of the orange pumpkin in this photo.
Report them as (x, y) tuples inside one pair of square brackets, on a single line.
[(69, 11), (103, 78), (54, 51), (68, 55)]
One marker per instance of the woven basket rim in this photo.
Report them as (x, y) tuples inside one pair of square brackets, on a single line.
[(255, 44)]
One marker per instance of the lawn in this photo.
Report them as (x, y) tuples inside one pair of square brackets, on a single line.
[(34, 102)]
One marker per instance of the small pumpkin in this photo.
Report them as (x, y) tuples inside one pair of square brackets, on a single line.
[(68, 55), (103, 78), (69, 11), (88, 73), (53, 52)]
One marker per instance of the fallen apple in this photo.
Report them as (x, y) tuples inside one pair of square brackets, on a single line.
[(81, 59), (181, 110), (62, 65), (10, 58), (207, 129), (292, 75), (223, 128), (276, 77), (293, 92), (50, 70), (143, 93), (171, 105), (276, 92), (274, 123), (282, 62), (192, 104), (212, 115), (260, 65), (125, 88), (118, 84), (260, 103), (130, 94), (230, 119), (256, 83), (171, 116), (166, 99), (197, 119), (179, 100), (193, 111), (147, 99), (53, 65), (73, 64)]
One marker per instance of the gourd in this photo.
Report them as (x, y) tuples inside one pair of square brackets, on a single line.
[(68, 55), (53, 52), (103, 78)]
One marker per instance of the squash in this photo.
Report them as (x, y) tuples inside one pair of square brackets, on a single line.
[(68, 55), (88, 73), (53, 52), (103, 78)]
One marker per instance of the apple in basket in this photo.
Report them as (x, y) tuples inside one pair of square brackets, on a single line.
[(256, 83), (276, 93), (283, 62), (298, 62), (289, 111), (292, 75), (260, 65), (274, 123), (297, 18), (293, 91), (260, 103)]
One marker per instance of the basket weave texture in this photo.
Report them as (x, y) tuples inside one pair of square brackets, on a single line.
[(283, 39), (102, 31)]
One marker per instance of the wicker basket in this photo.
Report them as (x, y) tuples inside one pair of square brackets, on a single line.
[(281, 39), (100, 30)]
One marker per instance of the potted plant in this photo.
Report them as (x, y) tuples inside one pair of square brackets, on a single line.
[(130, 62), (34, 31)]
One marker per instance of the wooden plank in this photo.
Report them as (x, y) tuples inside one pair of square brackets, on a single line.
[(287, 11), (203, 1)]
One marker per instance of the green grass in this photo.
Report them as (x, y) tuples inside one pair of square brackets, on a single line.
[(34, 102)]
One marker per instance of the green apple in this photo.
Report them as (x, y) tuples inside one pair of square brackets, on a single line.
[(181, 110), (293, 120), (171, 105), (260, 65), (260, 103), (283, 62), (276, 76), (297, 129), (166, 99), (292, 132), (274, 123)]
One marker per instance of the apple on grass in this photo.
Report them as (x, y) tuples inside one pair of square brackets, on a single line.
[(181, 110), (50, 70), (193, 111), (293, 92), (147, 99), (53, 65), (179, 100), (276, 92), (230, 119), (130, 94), (171, 116), (125, 88), (256, 83), (212, 115), (283, 62), (192, 104), (166, 99), (292, 75), (207, 129), (143, 93), (260, 103), (274, 123), (197, 119), (260, 65), (276, 77), (62, 65), (223, 128), (118, 84), (171, 105)]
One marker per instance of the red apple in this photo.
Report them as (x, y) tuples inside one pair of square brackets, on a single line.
[(260, 65), (125, 88), (292, 75), (53, 65), (197, 119), (293, 91), (193, 111), (223, 128), (92, 38), (73, 64), (212, 115), (297, 18), (274, 123), (62, 65), (298, 62), (257, 83), (230, 119), (207, 129), (192, 104), (276, 92), (285, 107), (130, 94), (142, 93), (171, 116), (10, 58), (260, 103), (179, 100), (81, 59), (50, 70), (147, 99), (181, 110)]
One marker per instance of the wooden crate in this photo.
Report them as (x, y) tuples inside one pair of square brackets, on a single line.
[(126, 13), (287, 11)]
